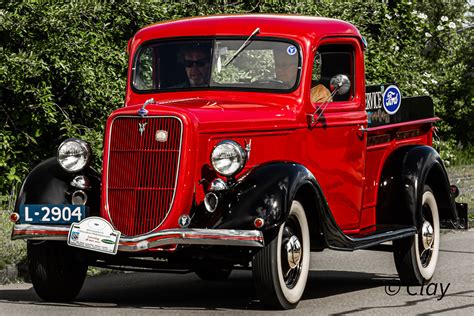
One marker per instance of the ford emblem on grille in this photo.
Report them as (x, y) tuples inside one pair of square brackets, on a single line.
[(161, 136), (141, 128)]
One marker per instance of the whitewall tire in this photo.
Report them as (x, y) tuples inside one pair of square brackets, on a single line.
[(416, 257), (281, 268)]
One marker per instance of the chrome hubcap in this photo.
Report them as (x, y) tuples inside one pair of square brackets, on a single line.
[(293, 251), (426, 237), (427, 233)]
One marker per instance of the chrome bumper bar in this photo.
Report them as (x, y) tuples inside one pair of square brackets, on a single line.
[(167, 237)]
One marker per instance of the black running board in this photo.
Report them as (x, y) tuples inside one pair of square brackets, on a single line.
[(336, 239), (376, 236)]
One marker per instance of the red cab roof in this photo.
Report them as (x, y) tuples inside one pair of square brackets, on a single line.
[(290, 26)]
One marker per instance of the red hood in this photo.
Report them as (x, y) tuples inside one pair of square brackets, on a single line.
[(225, 116)]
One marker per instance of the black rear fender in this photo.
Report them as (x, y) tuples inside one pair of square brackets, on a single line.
[(401, 185)]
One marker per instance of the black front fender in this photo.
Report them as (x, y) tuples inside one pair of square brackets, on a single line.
[(48, 183), (267, 193)]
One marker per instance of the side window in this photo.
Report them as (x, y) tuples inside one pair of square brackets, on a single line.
[(329, 61), (316, 69)]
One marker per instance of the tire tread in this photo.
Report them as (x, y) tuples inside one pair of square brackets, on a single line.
[(55, 272)]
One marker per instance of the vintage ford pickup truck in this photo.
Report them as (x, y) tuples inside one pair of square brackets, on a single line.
[(245, 142)]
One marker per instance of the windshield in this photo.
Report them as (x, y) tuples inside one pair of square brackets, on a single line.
[(194, 64)]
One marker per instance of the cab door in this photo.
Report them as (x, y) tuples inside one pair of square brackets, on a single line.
[(337, 141)]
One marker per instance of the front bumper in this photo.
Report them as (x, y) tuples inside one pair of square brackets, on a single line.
[(167, 237)]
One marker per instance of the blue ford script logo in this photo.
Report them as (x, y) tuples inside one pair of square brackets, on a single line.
[(392, 98)]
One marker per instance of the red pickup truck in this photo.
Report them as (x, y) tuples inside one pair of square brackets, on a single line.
[(245, 142)]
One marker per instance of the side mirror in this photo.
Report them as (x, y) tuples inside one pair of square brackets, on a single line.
[(340, 84)]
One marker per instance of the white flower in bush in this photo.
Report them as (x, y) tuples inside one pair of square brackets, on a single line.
[(422, 16), (440, 28), (452, 25), (444, 18), (427, 34)]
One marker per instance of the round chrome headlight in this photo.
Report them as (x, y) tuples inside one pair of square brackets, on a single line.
[(228, 158), (74, 154)]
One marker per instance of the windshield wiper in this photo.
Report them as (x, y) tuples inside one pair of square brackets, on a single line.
[(244, 45)]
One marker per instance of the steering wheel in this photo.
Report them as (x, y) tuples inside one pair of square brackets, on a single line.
[(274, 83)]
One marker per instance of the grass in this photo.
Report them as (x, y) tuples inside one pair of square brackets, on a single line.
[(464, 156), (455, 155), (463, 178), (11, 252)]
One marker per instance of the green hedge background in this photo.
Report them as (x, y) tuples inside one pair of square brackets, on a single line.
[(63, 65)]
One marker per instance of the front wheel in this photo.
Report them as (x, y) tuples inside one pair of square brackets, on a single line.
[(56, 270), (416, 257), (281, 268)]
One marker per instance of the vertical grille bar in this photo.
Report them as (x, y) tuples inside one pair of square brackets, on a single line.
[(142, 172)]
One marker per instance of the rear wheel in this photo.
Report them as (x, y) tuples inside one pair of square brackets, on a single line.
[(281, 268), (56, 271), (416, 257)]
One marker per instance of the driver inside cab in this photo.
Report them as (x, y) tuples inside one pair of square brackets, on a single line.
[(286, 66), (196, 61)]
